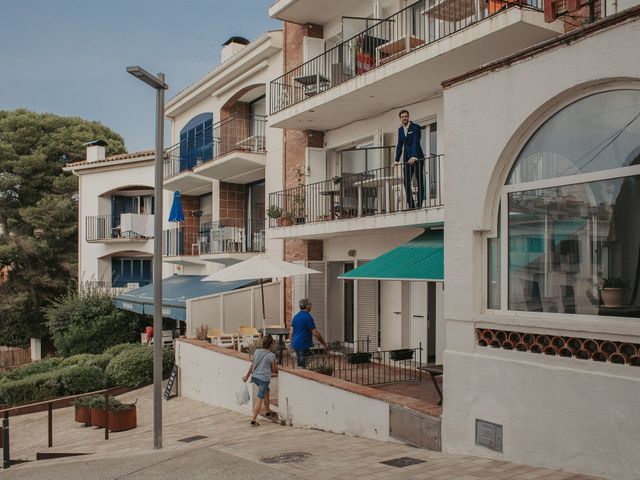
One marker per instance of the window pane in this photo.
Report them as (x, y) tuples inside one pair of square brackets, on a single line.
[(567, 243), (493, 273), (353, 161), (596, 133)]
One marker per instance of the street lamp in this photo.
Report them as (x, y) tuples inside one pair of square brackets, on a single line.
[(157, 82)]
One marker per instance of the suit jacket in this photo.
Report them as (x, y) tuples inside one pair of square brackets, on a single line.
[(409, 143)]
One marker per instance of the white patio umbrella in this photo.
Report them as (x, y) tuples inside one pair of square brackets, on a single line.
[(259, 268)]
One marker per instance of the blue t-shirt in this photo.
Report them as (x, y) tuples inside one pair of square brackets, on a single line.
[(302, 325)]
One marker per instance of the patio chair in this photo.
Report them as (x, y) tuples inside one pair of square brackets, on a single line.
[(217, 337), (247, 336)]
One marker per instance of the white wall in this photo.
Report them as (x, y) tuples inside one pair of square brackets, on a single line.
[(367, 245), (557, 412), (212, 377)]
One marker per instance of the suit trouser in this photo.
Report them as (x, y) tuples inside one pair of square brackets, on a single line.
[(409, 171)]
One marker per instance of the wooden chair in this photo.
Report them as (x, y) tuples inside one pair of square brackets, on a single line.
[(217, 337), (247, 336)]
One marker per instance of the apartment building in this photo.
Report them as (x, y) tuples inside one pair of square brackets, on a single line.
[(116, 209), (350, 68)]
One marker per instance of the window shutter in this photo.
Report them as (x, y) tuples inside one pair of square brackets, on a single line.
[(317, 296), (367, 310)]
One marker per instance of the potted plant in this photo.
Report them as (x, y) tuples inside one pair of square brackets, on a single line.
[(401, 354), (358, 357), (274, 211), (299, 215), (612, 291), (323, 368), (122, 416), (287, 219), (83, 410)]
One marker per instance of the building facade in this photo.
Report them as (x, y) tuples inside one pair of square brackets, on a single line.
[(542, 254)]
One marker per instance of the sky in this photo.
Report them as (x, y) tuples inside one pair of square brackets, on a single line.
[(69, 57)]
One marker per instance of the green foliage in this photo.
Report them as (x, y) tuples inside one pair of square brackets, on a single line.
[(40, 366), (33, 388), (614, 282), (82, 379), (38, 213), (134, 366), (121, 347), (101, 361), (97, 401), (88, 322)]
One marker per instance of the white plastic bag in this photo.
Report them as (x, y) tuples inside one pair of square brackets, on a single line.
[(242, 395)]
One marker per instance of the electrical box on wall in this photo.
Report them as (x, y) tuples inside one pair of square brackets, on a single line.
[(489, 435)]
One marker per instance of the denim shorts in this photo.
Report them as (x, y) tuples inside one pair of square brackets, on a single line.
[(263, 387)]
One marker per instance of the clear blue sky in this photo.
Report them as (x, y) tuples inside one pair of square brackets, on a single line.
[(69, 57)]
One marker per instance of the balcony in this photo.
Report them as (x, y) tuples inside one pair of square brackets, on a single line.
[(403, 58), (370, 200), (231, 150), (225, 238), (123, 228)]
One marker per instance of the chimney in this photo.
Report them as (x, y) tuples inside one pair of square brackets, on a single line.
[(96, 150), (232, 46)]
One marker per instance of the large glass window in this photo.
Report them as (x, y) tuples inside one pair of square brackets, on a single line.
[(573, 241)]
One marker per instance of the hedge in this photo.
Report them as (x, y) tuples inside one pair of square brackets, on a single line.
[(82, 379), (121, 347), (39, 366), (34, 388), (133, 367), (101, 360)]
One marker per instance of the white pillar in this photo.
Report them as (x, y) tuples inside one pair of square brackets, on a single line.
[(36, 349)]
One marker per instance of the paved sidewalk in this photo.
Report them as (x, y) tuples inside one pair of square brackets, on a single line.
[(232, 449)]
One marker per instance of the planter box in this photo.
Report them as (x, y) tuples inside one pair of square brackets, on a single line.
[(612, 297), (119, 420), (83, 415), (359, 357), (402, 354)]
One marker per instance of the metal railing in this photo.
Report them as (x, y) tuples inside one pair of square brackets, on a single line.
[(362, 366), (48, 405), (224, 236), (384, 190), (418, 25), (234, 133), (104, 227)]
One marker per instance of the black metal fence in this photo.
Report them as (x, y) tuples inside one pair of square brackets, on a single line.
[(224, 236), (234, 133), (357, 364), (374, 192), (413, 27), (103, 227)]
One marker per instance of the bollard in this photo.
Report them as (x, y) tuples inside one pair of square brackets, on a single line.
[(5, 438)]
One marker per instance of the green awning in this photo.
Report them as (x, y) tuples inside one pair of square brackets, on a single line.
[(176, 290), (420, 259)]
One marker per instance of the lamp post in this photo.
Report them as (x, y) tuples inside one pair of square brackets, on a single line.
[(157, 82)]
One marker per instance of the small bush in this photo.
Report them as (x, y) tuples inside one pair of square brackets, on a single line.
[(97, 401), (39, 366), (34, 388), (101, 361), (121, 347), (132, 367), (82, 379), (168, 359)]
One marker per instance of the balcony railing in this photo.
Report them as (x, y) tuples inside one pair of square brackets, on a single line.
[(379, 191), (420, 24), (225, 236), (235, 133), (109, 227)]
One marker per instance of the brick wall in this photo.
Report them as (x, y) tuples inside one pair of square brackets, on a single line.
[(580, 16), (191, 224), (232, 203), (299, 250)]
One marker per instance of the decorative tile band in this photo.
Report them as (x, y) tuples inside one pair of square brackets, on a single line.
[(623, 353)]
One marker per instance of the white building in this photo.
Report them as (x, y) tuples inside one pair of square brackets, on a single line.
[(115, 228), (545, 145)]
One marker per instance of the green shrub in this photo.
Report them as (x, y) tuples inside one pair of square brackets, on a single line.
[(82, 379), (101, 361), (39, 366), (34, 388), (131, 367), (88, 322), (97, 401), (121, 347), (168, 360)]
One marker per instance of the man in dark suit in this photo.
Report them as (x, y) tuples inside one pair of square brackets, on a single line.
[(409, 149)]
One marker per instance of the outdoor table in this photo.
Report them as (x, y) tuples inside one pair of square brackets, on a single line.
[(313, 83), (378, 182), (279, 332), (434, 371), (332, 200)]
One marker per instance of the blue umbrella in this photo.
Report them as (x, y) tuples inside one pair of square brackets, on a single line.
[(176, 214)]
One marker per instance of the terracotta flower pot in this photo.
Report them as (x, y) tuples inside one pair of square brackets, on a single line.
[(119, 420), (613, 297), (83, 414)]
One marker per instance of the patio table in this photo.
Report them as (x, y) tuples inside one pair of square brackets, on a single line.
[(280, 332)]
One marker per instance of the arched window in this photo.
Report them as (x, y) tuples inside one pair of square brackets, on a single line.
[(570, 214)]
